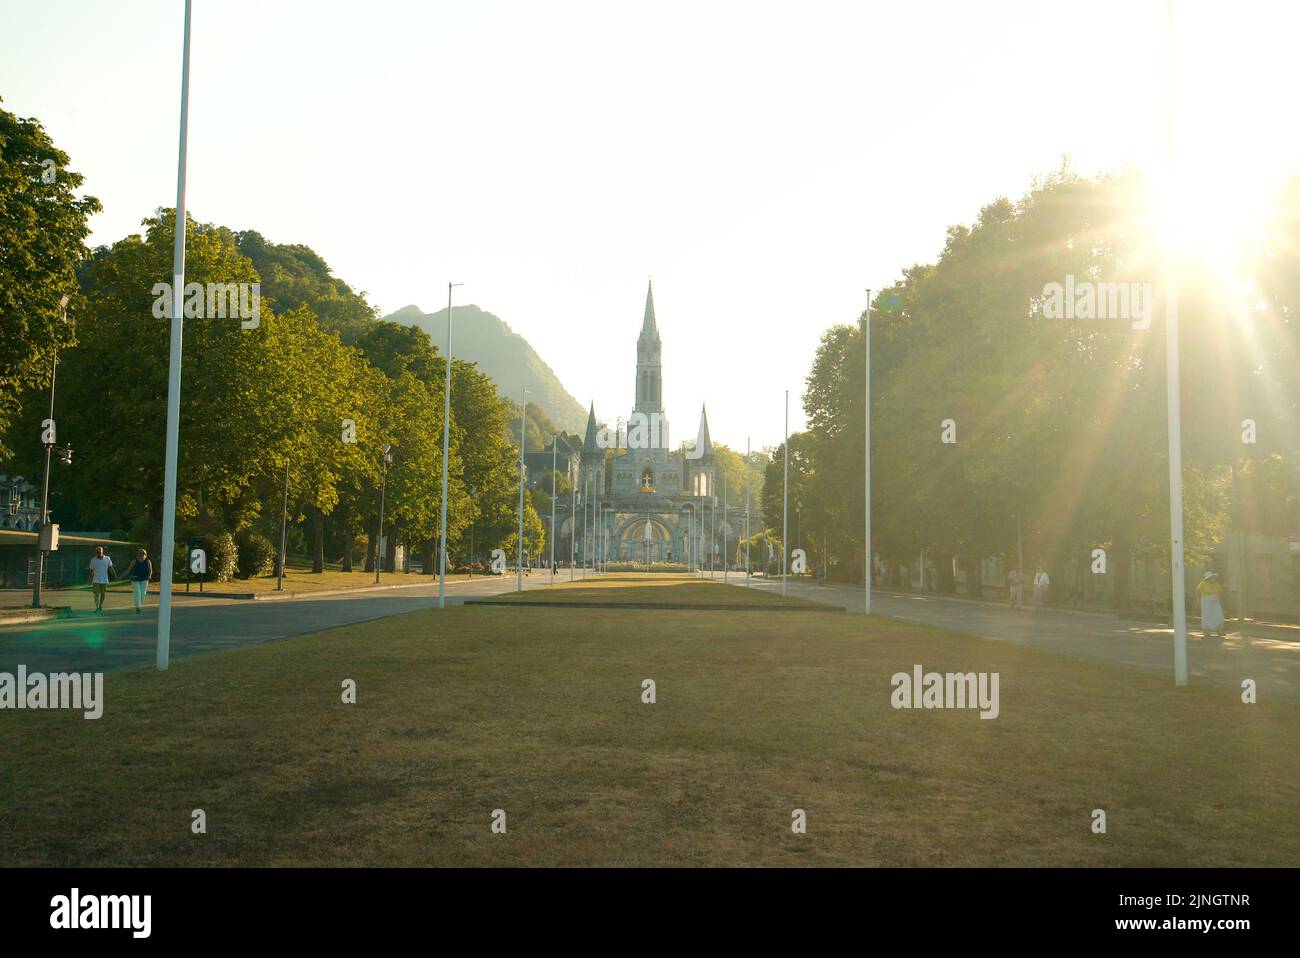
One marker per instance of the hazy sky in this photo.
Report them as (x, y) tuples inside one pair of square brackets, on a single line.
[(763, 162)]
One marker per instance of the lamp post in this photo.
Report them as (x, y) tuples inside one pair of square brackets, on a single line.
[(446, 439), (573, 521), (284, 529), (523, 442), (64, 456), (386, 460), (748, 467), (555, 448), (473, 495)]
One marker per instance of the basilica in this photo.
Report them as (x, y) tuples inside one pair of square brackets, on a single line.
[(639, 500)]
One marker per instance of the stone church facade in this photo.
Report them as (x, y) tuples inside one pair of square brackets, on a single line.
[(641, 500)]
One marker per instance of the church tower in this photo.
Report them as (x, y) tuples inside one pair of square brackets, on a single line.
[(649, 368)]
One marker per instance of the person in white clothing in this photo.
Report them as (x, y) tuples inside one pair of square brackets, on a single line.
[(1041, 582), (101, 574)]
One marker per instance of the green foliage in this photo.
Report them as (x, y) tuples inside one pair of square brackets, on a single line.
[(42, 242), (294, 275), (255, 555), (1059, 424), (222, 555)]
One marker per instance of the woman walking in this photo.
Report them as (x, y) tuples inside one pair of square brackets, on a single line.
[(1209, 589), (141, 572)]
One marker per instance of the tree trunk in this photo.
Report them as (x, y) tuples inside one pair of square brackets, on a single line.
[(1117, 567), (318, 539), (390, 553), (349, 540), (974, 575), (370, 552), (429, 556)]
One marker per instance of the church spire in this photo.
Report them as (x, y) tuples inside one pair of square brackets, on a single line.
[(649, 368), (649, 329)]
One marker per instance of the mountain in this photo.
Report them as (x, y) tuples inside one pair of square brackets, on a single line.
[(502, 354)]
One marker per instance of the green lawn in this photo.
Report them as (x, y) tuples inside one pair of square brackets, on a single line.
[(538, 712), (630, 588)]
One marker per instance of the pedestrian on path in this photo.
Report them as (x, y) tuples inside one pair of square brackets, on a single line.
[(1041, 582), (1015, 589), (140, 573), (1209, 589), (101, 573)]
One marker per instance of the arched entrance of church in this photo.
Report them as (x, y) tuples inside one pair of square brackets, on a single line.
[(634, 547)]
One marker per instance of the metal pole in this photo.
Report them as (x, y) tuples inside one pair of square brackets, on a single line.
[(45, 493), (523, 441), (785, 493), (1020, 553), (174, 373), (379, 540), (284, 528), (713, 522), (724, 529), (866, 336), (446, 440), (573, 523), (1172, 375), (555, 447), (748, 468)]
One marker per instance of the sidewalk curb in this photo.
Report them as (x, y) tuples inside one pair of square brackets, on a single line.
[(1257, 631), (307, 593), (24, 616)]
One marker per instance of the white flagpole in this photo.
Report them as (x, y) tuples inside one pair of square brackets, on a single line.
[(866, 336), (446, 439), (174, 373), (1172, 374), (555, 448), (785, 494), (523, 440)]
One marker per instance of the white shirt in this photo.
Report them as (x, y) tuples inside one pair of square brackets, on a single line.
[(1041, 579), (99, 569)]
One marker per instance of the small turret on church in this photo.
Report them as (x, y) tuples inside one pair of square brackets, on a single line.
[(592, 469), (698, 462)]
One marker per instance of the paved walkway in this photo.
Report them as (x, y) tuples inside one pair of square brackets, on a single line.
[(1273, 663), (120, 639)]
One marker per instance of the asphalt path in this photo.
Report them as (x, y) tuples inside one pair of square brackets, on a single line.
[(119, 638), (1273, 663)]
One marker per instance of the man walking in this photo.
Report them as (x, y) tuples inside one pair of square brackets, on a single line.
[(1015, 590), (101, 573)]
